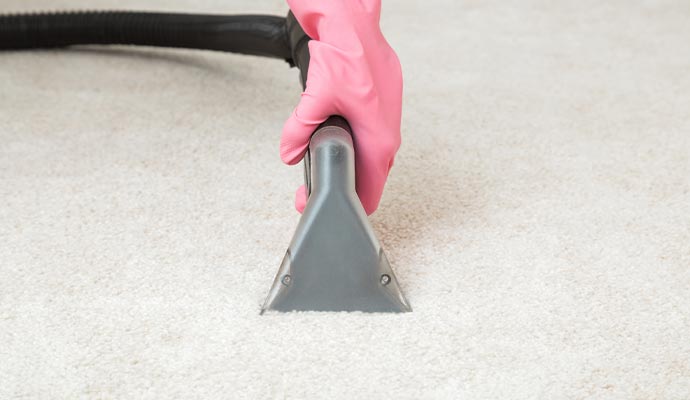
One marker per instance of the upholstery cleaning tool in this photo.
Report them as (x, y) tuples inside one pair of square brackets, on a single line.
[(334, 262)]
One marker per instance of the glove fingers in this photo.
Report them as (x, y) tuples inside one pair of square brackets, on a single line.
[(372, 171), (310, 112), (301, 198)]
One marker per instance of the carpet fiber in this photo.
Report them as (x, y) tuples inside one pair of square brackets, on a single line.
[(537, 217)]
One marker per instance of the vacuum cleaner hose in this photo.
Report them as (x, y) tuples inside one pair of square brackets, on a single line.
[(261, 35)]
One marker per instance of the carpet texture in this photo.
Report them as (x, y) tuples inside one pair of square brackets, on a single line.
[(537, 217)]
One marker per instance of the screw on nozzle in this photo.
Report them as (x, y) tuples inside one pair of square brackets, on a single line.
[(385, 279)]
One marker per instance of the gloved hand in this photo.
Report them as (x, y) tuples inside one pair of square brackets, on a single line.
[(353, 72)]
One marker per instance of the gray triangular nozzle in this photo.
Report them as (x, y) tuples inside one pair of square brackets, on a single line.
[(334, 262)]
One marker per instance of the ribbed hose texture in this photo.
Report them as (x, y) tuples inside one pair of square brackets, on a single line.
[(262, 35)]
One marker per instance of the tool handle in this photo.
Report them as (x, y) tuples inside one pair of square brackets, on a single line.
[(299, 48), (343, 128)]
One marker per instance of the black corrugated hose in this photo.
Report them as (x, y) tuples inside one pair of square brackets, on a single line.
[(261, 35)]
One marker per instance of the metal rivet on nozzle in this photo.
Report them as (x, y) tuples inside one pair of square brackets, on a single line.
[(286, 280), (385, 279)]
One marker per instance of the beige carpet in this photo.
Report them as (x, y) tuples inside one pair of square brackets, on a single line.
[(538, 216)]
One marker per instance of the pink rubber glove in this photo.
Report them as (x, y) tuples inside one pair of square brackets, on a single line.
[(353, 72)]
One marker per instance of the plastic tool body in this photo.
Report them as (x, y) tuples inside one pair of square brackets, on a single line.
[(334, 262)]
